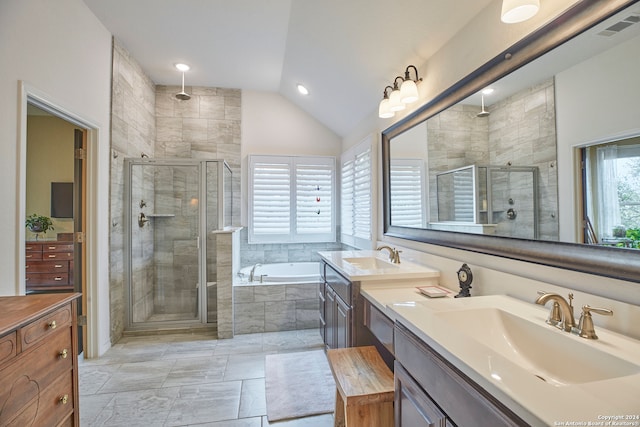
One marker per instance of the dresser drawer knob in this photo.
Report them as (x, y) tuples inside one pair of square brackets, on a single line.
[(58, 265), (52, 247), (52, 325), (64, 399), (57, 279), (63, 354)]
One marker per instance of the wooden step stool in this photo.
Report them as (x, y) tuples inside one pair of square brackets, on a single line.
[(364, 387)]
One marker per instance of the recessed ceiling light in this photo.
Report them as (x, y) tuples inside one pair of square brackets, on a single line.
[(303, 90), (182, 67)]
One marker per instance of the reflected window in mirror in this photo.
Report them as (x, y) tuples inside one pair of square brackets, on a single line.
[(408, 207), (611, 179)]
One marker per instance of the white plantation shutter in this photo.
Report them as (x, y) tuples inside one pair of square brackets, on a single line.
[(407, 193), (291, 199), (356, 196)]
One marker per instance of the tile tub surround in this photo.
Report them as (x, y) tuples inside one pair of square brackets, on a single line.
[(187, 379), (275, 307)]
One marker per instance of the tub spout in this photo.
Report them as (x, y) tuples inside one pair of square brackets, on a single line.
[(252, 274)]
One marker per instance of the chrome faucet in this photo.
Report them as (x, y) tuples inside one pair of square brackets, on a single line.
[(567, 321), (253, 272), (394, 254)]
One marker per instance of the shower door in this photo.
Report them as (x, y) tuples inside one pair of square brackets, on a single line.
[(171, 253)]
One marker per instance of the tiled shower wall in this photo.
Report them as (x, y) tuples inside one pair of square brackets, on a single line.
[(149, 119), (133, 132)]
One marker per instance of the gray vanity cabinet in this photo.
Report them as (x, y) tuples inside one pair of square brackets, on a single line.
[(425, 379), (336, 310)]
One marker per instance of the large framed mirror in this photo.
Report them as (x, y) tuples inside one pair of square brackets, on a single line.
[(514, 172)]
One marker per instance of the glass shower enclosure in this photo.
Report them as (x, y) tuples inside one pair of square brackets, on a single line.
[(171, 208)]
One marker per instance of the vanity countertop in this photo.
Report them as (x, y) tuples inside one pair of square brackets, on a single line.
[(375, 266), (580, 397)]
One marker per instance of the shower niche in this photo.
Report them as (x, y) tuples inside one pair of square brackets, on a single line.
[(493, 200), (174, 211)]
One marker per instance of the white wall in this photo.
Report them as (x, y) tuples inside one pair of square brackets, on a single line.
[(60, 49), (484, 38), (273, 125), (588, 112)]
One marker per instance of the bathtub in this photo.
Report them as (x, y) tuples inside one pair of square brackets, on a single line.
[(283, 272), (282, 297)]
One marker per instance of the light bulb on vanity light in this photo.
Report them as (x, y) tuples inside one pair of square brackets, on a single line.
[(384, 109)]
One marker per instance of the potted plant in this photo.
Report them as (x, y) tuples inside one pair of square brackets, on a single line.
[(38, 224), (619, 231)]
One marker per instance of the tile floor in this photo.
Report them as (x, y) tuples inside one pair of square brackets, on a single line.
[(187, 380)]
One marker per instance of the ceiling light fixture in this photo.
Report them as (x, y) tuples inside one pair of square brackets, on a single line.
[(404, 91), (302, 89), (182, 95), (514, 11)]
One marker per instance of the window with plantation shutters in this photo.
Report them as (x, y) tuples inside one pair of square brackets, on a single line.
[(356, 196), (291, 199), (407, 193)]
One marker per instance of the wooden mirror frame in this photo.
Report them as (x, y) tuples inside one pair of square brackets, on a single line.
[(617, 263)]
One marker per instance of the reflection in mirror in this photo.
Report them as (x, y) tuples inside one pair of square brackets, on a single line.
[(612, 197), (569, 85)]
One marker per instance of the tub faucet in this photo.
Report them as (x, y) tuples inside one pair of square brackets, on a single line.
[(568, 322), (394, 254), (252, 273)]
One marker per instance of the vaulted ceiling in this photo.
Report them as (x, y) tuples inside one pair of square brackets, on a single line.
[(344, 51)]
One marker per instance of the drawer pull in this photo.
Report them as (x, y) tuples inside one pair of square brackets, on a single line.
[(52, 325), (64, 399), (29, 256), (63, 354), (58, 265), (52, 256), (52, 247), (57, 279)]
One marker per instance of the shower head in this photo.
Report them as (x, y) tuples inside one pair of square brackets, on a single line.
[(183, 96), (483, 112)]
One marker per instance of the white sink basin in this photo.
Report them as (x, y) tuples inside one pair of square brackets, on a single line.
[(551, 355), (369, 263)]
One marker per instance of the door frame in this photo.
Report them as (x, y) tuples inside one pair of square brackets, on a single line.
[(30, 94)]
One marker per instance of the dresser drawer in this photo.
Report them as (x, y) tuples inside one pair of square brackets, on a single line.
[(57, 247), (33, 247), (47, 279), (48, 256), (45, 326), (31, 255), (48, 267), (49, 408), (27, 377), (8, 347)]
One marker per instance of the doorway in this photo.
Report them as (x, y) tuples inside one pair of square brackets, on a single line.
[(55, 190)]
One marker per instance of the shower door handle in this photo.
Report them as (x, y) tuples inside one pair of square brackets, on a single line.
[(198, 242)]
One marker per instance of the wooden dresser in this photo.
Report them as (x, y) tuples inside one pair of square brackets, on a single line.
[(39, 360), (49, 265)]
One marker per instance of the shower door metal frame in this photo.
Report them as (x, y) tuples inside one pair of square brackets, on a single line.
[(201, 243)]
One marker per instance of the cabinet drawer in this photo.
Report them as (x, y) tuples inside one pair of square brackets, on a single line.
[(45, 326), (47, 279), (379, 324), (8, 347), (49, 407), (57, 247), (36, 256), (338, 283), (448, 387), (57, 255), (27, 376), (33, 247), (47, 267)]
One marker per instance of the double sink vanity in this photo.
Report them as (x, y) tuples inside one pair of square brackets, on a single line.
[(484, 360)]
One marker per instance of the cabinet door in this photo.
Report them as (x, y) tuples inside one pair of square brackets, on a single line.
[(412, 406), (343, 324), (330, 318), (322, 304)]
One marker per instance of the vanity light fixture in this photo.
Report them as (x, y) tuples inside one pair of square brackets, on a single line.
[(384, 112), (302, 89), (404, 91), (514, 11), (182, 95)]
